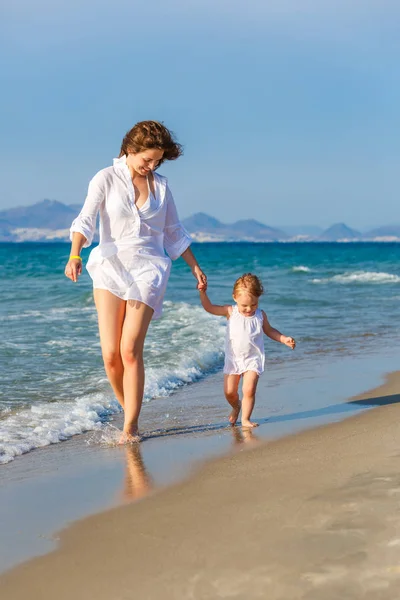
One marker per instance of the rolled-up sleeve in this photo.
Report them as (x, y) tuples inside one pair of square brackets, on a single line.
[(176, 238), (85, 222)]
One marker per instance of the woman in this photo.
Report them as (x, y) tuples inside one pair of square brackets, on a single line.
[(129, 268)]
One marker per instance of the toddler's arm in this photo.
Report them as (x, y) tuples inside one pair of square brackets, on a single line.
[(214, 309), (276, 335)]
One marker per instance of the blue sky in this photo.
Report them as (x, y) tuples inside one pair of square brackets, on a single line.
[(288, 110)]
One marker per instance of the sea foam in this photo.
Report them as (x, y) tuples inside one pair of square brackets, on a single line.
[(361, 277), (180, 349), (301, 269)]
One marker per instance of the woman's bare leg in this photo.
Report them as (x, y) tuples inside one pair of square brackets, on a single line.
[(111, 314), (135, 326), (250, 380), (231, 387)]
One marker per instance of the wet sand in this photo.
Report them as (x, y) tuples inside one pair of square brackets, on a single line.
[(48, 489), (314, 515)]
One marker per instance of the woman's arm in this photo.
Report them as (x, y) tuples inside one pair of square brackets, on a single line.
[(74, 265), (214, 309), (85, 222), (177, 241), (176, 238), (190, 259), (276, 335), (84, 226)]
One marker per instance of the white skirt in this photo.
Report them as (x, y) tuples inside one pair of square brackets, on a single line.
[(130, 272)]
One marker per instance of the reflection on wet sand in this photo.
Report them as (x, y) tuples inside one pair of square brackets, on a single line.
[(137, 480), (244, 436), (138, 483)]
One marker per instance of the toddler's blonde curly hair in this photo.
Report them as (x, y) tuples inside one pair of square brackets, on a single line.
[(249, 283)]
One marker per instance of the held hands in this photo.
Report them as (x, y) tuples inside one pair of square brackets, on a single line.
[(73, 269), (201, 278), (289, 341)]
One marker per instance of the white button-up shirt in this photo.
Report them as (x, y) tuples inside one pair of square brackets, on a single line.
[(130, 255)]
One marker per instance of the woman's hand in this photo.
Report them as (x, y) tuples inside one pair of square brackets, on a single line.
[(73, 269), (201, 278)]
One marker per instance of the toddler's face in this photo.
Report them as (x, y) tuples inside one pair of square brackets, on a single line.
[(246, 303)]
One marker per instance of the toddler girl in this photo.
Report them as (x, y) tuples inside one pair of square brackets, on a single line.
[(244, 344)]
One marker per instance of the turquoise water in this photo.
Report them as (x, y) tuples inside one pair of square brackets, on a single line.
[(333, 298)]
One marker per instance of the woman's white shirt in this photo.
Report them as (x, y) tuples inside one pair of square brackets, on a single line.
[(130, 260), (111, 194)]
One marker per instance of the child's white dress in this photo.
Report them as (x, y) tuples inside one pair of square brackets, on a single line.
[(244, 343)]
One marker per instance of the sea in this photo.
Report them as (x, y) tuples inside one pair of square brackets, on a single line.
[(335, 299)]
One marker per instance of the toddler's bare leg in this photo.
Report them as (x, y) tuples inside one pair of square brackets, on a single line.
[(231, 387), (250, 380)]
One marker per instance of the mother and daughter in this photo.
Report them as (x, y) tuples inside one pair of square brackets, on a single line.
[(130, 270)]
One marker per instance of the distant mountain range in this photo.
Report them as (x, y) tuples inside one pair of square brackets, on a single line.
[(50, 220), (204, 228)]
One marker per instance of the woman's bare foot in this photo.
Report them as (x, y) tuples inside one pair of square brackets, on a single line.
[(233, 417), (129, 438), (248, 424)]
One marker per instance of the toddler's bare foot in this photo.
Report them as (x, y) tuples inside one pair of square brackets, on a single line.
[(233, 417), (129, 438), (248, 424)]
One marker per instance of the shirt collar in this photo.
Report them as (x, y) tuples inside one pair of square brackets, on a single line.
[(120, 163), (121, 167)]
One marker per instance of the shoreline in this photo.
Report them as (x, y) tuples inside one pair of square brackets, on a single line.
[(49, 489), (208, 511), (308, 512)]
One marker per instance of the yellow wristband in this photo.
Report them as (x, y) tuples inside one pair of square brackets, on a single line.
[(75, 257)]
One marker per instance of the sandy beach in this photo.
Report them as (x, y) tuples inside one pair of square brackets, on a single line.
[(313, 515)]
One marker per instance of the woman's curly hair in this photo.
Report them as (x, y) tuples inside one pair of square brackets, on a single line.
[(150, 135)]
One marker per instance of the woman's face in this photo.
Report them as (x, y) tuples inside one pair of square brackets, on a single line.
[(146, 161)]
